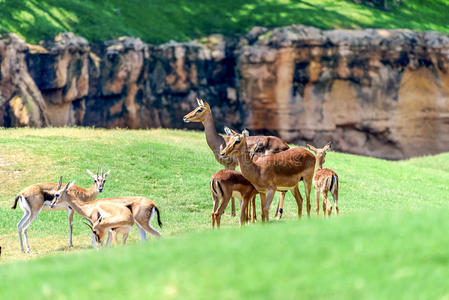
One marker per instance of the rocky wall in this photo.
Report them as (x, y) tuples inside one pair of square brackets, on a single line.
[(382, 93)]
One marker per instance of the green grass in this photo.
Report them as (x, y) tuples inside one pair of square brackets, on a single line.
[(389, 242), (159, 21)]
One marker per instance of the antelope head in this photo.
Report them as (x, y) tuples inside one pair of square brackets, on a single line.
[(235, 143), (320, 153), (98, 234), (99, 179), (198, 114), (256, 148), (61, 193)]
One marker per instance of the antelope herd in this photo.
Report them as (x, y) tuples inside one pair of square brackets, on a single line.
[(267, 165)]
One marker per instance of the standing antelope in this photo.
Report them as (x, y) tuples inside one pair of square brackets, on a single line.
[(226, 184), (266, 144), (324, 181), (281, 171), (143, 209), (35, 198)]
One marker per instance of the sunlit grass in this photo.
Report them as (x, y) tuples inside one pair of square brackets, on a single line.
[(159, 21), (391, 230)]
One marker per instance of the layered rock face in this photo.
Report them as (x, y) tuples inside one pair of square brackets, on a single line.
[(383, 93)]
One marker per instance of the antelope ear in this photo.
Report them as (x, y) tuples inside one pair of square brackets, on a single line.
[(327, 147), (90, 173), (69, 185), (228, 131), (198, 102), (202, 102), (107, 173), (245, 133), (312, 148)]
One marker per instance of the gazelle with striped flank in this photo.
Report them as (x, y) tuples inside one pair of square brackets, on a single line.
[(35, 198), (324, 181), (281, 171), (226, 184), (265, 144), (142, 209)]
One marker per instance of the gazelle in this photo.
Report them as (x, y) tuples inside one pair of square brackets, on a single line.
[(226, 184), (266, 144), (119, 219), (324, 181), (35, 198), (143, 209), (281, 171)]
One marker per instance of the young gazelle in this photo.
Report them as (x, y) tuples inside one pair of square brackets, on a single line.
[(324, 181), (281, 171), (33, 199), (226, 184), (143, 209), (119, 219), (266, 144)]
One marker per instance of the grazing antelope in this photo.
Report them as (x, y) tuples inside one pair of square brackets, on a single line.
[(143, 209), (281, 171), (226, 184), (33, 199), (266, 144), (119, 219), (324, 181)]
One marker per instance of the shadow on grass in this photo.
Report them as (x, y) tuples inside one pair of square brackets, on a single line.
[(160, 21)]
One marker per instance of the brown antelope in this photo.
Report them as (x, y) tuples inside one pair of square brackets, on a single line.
[(281, 171), (324, 181), (226, 184), (266, 144), (143, 209), (35, 198)]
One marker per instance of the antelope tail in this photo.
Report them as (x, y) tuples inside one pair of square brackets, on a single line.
[(15, 202), (333, 183), (158, 217), (217, 190)]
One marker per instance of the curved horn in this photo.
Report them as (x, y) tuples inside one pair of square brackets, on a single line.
[(90, 226)]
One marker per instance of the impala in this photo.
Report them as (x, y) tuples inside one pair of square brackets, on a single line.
[(143, 209), (35, 198), (226, 184), (324, 181), (281, 171), (266, 144)]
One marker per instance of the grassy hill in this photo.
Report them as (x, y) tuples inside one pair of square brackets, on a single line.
[(159, 21), (390, 240)]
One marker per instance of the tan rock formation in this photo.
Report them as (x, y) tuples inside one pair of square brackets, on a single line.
[(373, 92), (21, 101)]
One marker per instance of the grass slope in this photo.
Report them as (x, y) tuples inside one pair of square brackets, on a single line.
[(390, 240), (159, 21)]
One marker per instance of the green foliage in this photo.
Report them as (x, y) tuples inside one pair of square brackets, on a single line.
[(159, 21), (391, 231)]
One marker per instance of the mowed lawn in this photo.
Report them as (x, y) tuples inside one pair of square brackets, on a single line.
[(389, 241)]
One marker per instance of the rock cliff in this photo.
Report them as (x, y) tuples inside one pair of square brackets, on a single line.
[(382, 93)]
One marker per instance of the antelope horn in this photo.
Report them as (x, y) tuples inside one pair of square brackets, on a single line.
[(98, 168), (59, 183), (101, 169), (90, 226)]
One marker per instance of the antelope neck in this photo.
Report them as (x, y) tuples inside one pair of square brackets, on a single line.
[(84, 209), (213, 139), (249, 169)]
